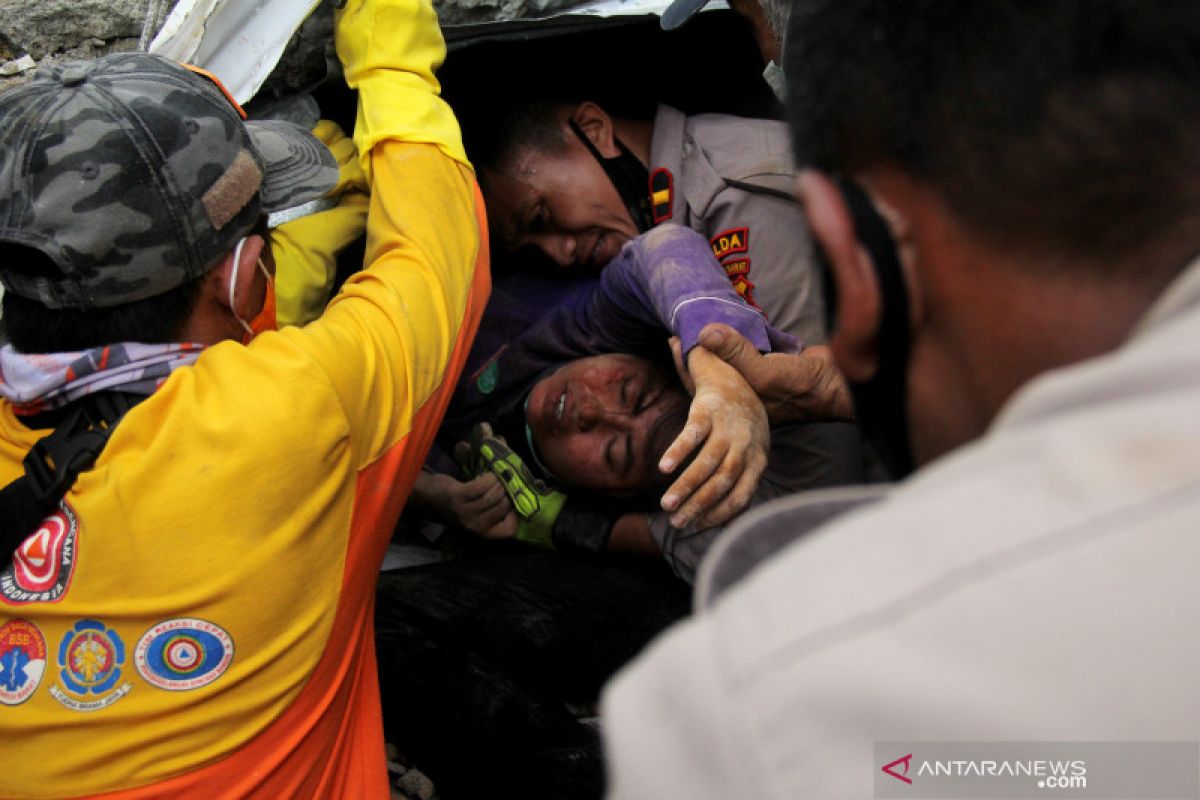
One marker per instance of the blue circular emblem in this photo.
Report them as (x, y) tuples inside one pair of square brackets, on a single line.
[(182, 654), (90, 658)]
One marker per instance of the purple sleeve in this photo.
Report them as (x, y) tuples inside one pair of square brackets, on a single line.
[(665, 281), (669, 278)]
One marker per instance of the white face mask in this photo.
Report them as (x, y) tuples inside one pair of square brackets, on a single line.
[(773, 75), (233, 275)]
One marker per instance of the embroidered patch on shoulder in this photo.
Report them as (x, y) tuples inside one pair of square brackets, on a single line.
[(726, 243), (22, 661), (183, 654), (91, 658), (662, 194), (738, 270), (736, 266), (42, 566), (488, 376)]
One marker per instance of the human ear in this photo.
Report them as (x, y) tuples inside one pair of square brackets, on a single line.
[(244, 303), (859, 305), (597, 126)]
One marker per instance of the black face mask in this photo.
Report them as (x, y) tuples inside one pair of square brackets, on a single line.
[(881, 402), (629, 177)]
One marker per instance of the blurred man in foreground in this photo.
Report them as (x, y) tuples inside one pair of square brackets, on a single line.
[(1030, 332)]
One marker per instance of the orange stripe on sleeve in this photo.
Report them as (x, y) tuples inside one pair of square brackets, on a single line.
[(329, 742)]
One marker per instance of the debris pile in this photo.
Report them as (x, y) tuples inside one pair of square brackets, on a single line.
[(50, 31)]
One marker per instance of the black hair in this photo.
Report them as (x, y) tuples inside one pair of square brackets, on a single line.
[(493, 133), (1070, 128), (496, 126), (33, 328), (662, 435)]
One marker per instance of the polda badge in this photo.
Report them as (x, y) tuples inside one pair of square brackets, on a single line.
[(22, 661), (91, 660), (183, 654), (42, 566)]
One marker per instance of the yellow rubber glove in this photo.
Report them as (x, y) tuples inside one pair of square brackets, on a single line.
[(389, 50), (306, 249)]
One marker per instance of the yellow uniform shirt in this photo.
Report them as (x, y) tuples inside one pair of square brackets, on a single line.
[(196, 621)]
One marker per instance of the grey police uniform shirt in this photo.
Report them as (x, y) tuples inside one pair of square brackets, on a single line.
[(803, 457), (731, 179)]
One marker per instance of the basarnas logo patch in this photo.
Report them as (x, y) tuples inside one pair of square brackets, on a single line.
[(183, 654), (90, 660), (22, 661), (42, 566)]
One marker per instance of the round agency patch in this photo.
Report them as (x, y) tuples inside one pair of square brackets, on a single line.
[(22, 661), (43, 564), (183, 654), (91, 659)]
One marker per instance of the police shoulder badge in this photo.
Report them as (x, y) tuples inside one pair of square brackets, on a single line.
[(91, 658), (662, 194), (22, 661), (183, 654), (727, 243), (42, 566)]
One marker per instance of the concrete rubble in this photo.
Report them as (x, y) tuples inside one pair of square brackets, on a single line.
[(50, 31)]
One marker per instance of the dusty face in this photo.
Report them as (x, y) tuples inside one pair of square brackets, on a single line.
[(602, 423), (562, 203)]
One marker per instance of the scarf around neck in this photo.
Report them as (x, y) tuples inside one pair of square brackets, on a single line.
[(37, 382)]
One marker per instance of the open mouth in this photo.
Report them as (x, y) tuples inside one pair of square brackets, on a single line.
[(597, 252), (562, 404)]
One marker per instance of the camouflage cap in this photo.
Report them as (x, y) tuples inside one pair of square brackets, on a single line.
[(134, 175)]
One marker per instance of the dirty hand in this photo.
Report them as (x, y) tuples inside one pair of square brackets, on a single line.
[(537, 505), (479, 505), (794, 387), (729, 420)]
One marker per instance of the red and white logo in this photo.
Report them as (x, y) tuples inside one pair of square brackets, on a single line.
[(22, 660), (42, 566), (890, 769)]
